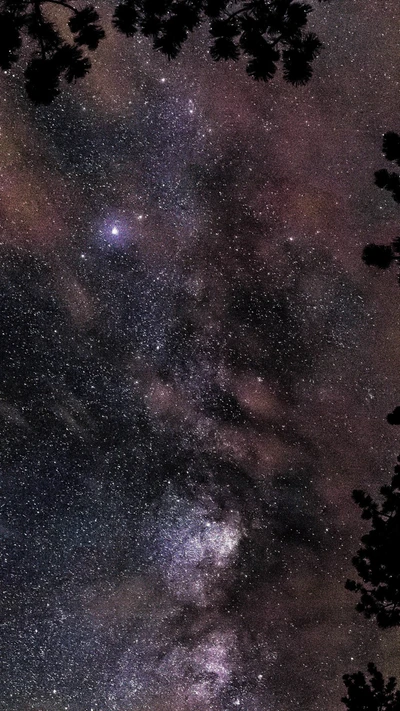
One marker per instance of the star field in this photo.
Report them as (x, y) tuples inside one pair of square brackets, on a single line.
[(196, 368)]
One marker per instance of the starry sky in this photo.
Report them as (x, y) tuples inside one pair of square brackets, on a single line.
[(196, 368)]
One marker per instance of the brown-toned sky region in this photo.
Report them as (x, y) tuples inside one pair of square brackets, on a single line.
[(196, 372)]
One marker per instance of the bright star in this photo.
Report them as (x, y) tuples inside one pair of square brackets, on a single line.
[(115, 231)]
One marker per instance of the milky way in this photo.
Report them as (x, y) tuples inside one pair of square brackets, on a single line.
[(196, 370)]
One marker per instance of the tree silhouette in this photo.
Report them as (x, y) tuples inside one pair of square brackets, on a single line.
[(394, 417), (378, 565), (391, 151), (51, 56), (382, 255), (263, 31), (372, 695), (378, 255), (378, 561)]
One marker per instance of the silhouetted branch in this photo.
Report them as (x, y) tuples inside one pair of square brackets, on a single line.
[(394, 417), (39, 18), (371, 695), (379, 255), (378, 561), (62, 4), (264, 32), (246, 8)]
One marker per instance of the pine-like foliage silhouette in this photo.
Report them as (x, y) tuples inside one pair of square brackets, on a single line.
[(383, 255), (372, 695), (52, 57), (379, 255), (264, 31), (378, 560), (391, 151), (394, 417)]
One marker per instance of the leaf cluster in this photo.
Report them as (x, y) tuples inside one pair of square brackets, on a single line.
[(264, 31), (378, 561), (51, 56), (379, 255), (384, 179), (372, 695), (378, 566), (383, 255), (393, 418)]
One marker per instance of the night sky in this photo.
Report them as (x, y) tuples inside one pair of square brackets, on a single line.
[(196, 367)]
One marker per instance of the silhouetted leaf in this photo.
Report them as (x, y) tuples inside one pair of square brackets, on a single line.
[(378, 255), (394, 417), (372, 694), (263, 28), (377, 562), (224, 28), (296, 17), (263, 64), (125, 18), (391, 146), (214, 8), (72, 61), (10, 39), (297, 59), (42, 80), (224, 48), (84, 25)]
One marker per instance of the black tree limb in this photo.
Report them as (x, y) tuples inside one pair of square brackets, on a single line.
[(264, 32)]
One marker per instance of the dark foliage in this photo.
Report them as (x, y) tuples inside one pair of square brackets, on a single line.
[(391, 151), (264, 32), (84, 25), (297, 59), (394, 417), (378, 255), (391, 147), (371, 695), (389, 182), (10, 39), (52, 58), (378, 561), (381, 255)]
